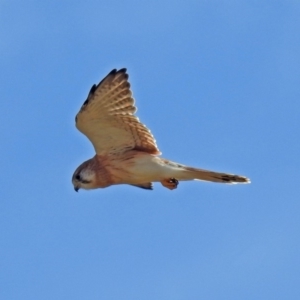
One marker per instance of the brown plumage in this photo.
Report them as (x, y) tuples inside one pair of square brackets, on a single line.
[(126, 151)]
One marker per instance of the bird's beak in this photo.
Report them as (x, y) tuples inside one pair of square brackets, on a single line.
[(76, 188)]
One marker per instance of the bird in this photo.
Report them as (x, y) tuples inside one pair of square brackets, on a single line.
[(126, 151)]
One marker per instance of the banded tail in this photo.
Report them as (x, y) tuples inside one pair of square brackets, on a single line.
[(199, 174)]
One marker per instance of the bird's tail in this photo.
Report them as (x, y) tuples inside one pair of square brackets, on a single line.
[(199, 174)]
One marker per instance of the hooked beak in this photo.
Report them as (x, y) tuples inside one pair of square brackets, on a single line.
[(76, 188)]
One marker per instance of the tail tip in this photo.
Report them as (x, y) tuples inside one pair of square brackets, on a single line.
[(235, 179)]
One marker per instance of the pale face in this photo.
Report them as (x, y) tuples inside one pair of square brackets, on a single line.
[(83, 178)]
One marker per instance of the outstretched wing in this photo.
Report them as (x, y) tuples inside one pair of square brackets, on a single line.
[(107, 117)]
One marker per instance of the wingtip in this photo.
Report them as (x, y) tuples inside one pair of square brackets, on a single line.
[(115, 71)]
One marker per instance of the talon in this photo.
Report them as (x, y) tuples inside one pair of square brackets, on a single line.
[(174, 180), (170, 183)]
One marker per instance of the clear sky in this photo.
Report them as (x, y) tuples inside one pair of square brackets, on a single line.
[(218, 84)]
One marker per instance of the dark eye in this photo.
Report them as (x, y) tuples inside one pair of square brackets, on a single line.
[(77, 177)]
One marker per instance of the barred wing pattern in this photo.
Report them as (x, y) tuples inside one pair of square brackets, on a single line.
[(107, 118)]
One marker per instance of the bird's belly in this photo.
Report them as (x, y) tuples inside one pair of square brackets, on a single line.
[(142, 169)]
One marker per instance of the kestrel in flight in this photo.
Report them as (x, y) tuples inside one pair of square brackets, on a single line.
[(126, 151)]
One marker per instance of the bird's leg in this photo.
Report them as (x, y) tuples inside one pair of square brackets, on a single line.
[(170, 183)]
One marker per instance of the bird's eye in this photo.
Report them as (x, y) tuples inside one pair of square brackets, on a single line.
[(77, 177)]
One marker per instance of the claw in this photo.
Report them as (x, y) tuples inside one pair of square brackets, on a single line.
[(174, 180), (170, 183)]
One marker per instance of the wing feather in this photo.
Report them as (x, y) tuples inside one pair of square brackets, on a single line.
[(107, 117)]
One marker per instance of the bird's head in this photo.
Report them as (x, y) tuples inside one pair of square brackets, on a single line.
[(84, 177)]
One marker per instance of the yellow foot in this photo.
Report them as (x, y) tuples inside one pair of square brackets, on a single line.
[(170, 183)]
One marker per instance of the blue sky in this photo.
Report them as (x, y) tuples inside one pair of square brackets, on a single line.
[(217, 82)]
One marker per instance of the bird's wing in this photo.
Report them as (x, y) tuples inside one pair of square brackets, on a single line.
[(107, 118)]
